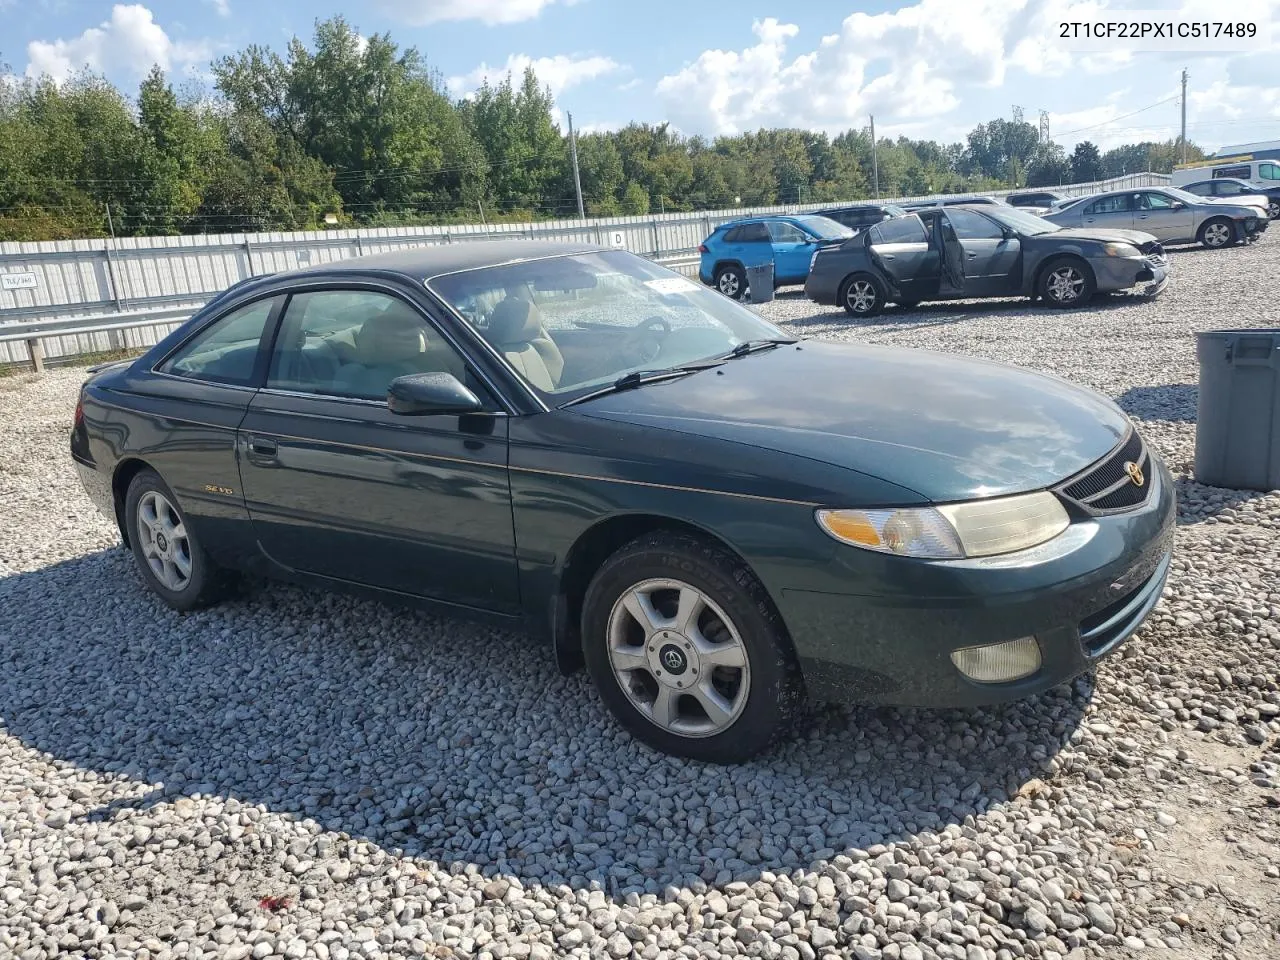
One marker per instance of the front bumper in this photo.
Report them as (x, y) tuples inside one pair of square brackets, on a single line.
[(1080, 596), (1251, 230), (1143, 276)]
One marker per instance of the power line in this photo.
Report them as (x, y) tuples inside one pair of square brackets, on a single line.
[(1124, 116)]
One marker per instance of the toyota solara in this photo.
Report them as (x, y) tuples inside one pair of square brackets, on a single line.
[(716, 518)]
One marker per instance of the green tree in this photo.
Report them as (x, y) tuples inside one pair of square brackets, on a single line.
[(1086, 163), (635, 200)]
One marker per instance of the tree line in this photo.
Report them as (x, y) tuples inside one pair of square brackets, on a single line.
[(360, 132)]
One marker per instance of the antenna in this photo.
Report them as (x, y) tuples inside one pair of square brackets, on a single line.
[(1044, 126), (1017, 114)]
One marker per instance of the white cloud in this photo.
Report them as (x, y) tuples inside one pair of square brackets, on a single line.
[(419, 13), (130, 40), (906, 64), (559, 72), (222, 7)]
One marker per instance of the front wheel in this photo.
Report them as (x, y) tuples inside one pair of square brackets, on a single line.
[(861, 295), (168, 554), (1273, 209), (687, 652), (1217, 233), (1066, 282)]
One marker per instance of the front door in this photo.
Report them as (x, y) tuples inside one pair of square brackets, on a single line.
[(792, 251), (989, 256), (338, 486), (1161, 215)]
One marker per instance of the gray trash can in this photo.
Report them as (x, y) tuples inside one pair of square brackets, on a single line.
[(760, 282), (1238, 415)]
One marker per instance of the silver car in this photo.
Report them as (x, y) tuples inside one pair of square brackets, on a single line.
[(1172, 215)]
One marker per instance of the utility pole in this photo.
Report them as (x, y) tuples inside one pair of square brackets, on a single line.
[(573, 152), (1184, 114), (110, 226), (1044, 126), (875, 162)]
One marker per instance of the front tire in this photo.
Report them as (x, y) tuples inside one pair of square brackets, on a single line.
[(731, 281), (861, 295), (687, 651), (1066, 282), (1217, 233), (168, 554)]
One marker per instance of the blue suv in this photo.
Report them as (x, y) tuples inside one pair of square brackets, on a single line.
[(790, 242)]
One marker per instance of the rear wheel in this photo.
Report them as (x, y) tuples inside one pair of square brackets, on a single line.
[(168, 554), (861, 295), (1066, 282), (731, 281), (1273, 209), (1217, 233), (686, 650)]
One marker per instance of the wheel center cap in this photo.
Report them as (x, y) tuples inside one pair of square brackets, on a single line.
[(162, 542), (673, 660)]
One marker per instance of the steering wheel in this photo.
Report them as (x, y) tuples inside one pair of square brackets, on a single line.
[(645, 338)]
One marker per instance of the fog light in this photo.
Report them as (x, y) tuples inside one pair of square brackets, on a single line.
[(999, 662)]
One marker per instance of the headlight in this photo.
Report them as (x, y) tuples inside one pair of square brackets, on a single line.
[(813, 260), (1120, 250), (979, 528)]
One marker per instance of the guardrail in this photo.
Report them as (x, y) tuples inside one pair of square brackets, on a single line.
[(34, 333), (89, 279)]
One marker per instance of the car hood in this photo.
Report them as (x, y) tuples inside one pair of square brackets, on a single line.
[(1104, 235), (946, 427), (1231, 206)]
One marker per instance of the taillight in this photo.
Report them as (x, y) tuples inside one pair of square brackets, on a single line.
[(702, 248), (79, 417)]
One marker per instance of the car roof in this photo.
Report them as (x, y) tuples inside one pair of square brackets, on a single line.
[(431, 260)]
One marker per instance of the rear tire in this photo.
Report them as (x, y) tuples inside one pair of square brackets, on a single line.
[(861, 295), (687, 651), (1217, 233), (168, 554), (731, 281), (1273, 209), (1066, 282)]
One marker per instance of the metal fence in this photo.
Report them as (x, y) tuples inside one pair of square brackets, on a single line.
[(60, 280)]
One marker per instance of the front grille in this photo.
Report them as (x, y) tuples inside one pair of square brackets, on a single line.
[(1106, 487), (1153, 253)]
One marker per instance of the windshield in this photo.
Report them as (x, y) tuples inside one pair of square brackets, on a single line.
[(572, 324), (1028, 224), (824, 228), (895, 211)]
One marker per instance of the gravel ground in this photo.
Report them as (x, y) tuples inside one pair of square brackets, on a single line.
[(301, 775)]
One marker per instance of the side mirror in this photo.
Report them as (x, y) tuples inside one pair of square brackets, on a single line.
[(425, 393), (1178, 205)]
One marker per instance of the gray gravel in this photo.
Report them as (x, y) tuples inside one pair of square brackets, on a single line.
[(303, 775)]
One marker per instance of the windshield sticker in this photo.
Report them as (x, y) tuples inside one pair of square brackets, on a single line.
[(666, 285)]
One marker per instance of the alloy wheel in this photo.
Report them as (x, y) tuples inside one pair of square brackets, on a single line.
[(861, 296), (678, 658), (728, 284), (1273, 209), (1065, 284), (1217, 235), (163, 538)]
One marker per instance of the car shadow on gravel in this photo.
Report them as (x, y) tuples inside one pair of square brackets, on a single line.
[(947, 312), (463, 744)]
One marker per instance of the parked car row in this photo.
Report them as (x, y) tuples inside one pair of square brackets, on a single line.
[(1060, 250)]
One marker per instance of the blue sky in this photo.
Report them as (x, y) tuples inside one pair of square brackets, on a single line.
[(929, 68)]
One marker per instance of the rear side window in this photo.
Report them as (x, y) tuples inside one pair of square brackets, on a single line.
[(1204, 189), (754, 233), (1121, 203), (1241, 172), (227, 350), (899, 230), (1230, 188), (1268, 171)]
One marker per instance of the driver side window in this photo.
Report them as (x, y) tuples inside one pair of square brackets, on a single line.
[(1154, 201), (786, 233), (353, 343)]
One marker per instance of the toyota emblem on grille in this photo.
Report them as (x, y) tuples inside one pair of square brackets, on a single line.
[(1135, 473)]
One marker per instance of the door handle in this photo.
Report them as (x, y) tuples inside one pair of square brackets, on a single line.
[(263, 448), (973, 256), (888, 256)]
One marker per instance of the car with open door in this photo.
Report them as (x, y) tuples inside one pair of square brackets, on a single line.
[(966, 252), (717, 518)]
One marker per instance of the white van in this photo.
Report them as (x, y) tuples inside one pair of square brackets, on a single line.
[(1261, 173)]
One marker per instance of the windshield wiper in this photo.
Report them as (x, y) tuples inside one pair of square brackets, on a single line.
[(638, 378), (751, 346)]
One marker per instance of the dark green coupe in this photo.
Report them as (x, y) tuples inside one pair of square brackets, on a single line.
[(716, 518)]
